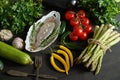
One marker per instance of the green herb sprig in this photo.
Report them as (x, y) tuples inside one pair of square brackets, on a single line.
[(101, 11), (20, 14)]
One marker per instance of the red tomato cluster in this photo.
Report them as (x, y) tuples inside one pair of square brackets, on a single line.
[(81, 25)]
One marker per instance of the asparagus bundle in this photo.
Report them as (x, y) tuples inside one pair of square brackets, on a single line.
[(104, 37)]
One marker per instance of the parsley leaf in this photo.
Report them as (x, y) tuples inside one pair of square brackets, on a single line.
[(19, 14), (101, 11)]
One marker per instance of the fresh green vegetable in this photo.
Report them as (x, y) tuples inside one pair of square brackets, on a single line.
[(101, 11), (20, 14), (70, 44), (117, 0), (104, 37), (62, 27), (1, 65), (13, 54)]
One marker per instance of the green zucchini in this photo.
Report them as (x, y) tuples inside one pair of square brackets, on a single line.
[(1, 65), (13, 54)]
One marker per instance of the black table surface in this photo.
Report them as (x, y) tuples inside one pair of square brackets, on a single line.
[(110, 69)]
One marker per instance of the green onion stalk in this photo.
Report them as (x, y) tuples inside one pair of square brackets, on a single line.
[(104, 37)]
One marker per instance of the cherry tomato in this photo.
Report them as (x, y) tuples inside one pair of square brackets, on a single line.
[(83, 36), (81, 14), (88, 28), (73, 37), (74, 22), (77, 30), (85, 21), (69, 15)]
